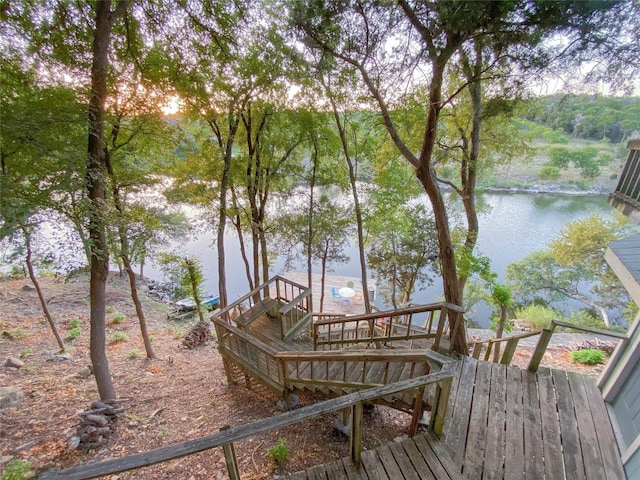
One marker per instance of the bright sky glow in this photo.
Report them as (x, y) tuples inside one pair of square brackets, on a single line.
[(171, 106)]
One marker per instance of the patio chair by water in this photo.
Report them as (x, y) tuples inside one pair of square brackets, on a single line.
[(346, 305), (335, 293)]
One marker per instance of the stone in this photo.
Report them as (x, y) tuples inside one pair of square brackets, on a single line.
[(63, 357), (73, 442), (14, 362), (84, 373), (10, 397), (97, 420), (28, 288)]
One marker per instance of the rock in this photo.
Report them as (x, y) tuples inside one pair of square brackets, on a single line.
[(28, 288), (84, 373), (73, 442), (14, 362), (25, 446), (60, 358), (10, 397), (97, 420), (401, 438)]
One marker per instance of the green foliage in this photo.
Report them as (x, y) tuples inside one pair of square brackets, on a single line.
[(118, 318), (549, 172), (74, 333), (75, 322), (538, 316), (494, 322), (279, 452), (119, 337), (26, 352), (17, 470), (133, 354), (589, 356), (15, 333)]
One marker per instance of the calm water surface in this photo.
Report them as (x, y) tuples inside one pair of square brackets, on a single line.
[(512, 225)]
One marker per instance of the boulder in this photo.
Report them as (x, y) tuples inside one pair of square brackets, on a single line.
[(10, 397), (14, 362), (28, 288)]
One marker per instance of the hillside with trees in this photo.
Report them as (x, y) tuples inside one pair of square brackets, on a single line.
[(128, 126)]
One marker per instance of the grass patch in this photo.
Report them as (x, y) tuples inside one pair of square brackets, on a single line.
[(589, 356), (118, 318), (74, 333), (279, 452), (119, 337)]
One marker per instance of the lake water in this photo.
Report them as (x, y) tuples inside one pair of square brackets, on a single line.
[(512, 225)]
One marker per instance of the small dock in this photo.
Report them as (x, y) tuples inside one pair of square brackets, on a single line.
[(331, 304)]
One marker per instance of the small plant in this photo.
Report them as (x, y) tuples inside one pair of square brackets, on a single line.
[(17, 470), (109, 309), (26, 352), (119, 337), (133, 354), (75, 322), (118, 318), (74, 333), (279, 453), (589, 356), (15, 333)]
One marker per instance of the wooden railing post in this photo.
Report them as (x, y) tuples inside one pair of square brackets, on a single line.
[(230, 457), (439, 408), (543, 342), (356, 432), (418, 411)]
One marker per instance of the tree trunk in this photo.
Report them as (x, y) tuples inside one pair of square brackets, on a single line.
[(499, 330), (96, 189), (139, 311), (426, 174), (222, 219), (310, 229), (36, 284)]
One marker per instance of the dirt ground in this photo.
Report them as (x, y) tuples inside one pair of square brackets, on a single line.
[(181, 395)]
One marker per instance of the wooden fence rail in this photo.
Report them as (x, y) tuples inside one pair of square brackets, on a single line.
[(493, 345), (384, 327), (226, 437), (547, 333)]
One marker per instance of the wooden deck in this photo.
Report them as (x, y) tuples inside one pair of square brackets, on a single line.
[(331, 305), (420, 458), (502, 423), (507, 423)]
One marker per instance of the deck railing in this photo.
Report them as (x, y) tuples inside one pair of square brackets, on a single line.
[(385, 327), (493, 345), (227, 436), (547, 333), (295, 299), (250, 354)]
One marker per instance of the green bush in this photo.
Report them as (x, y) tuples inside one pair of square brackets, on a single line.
[(549, 172), (74, 333), (17, 470), (589, 356), (75, 322), (279, 452), (119, 318), (119, 337), (538, 316)]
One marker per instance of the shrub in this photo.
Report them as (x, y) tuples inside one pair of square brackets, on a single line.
[(119, 337), (549, 172), (74, 322), (133, 354), (119, 318), (279, 452), (17, 470), (74, 333), (538, 316), (15, 333), (590, 356)]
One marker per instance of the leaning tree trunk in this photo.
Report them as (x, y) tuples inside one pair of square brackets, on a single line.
[(426, 174), (36, 284), (499, 330), (139, 311)]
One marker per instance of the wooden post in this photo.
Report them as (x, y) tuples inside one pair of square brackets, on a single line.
[(230, 457), (418, 411), (509, 350), (543, 342), (356, 433), (439, 410)]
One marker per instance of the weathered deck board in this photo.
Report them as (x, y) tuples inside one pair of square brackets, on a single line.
[(550, 426), (533, 448), (477, 438), (514, 456), (494, 454)]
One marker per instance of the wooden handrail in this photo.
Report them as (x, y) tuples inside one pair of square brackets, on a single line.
[(547, 333), (364, 329), (507, 356), (227, 437)]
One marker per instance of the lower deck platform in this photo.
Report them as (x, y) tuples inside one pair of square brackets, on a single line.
[(502, 423)]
